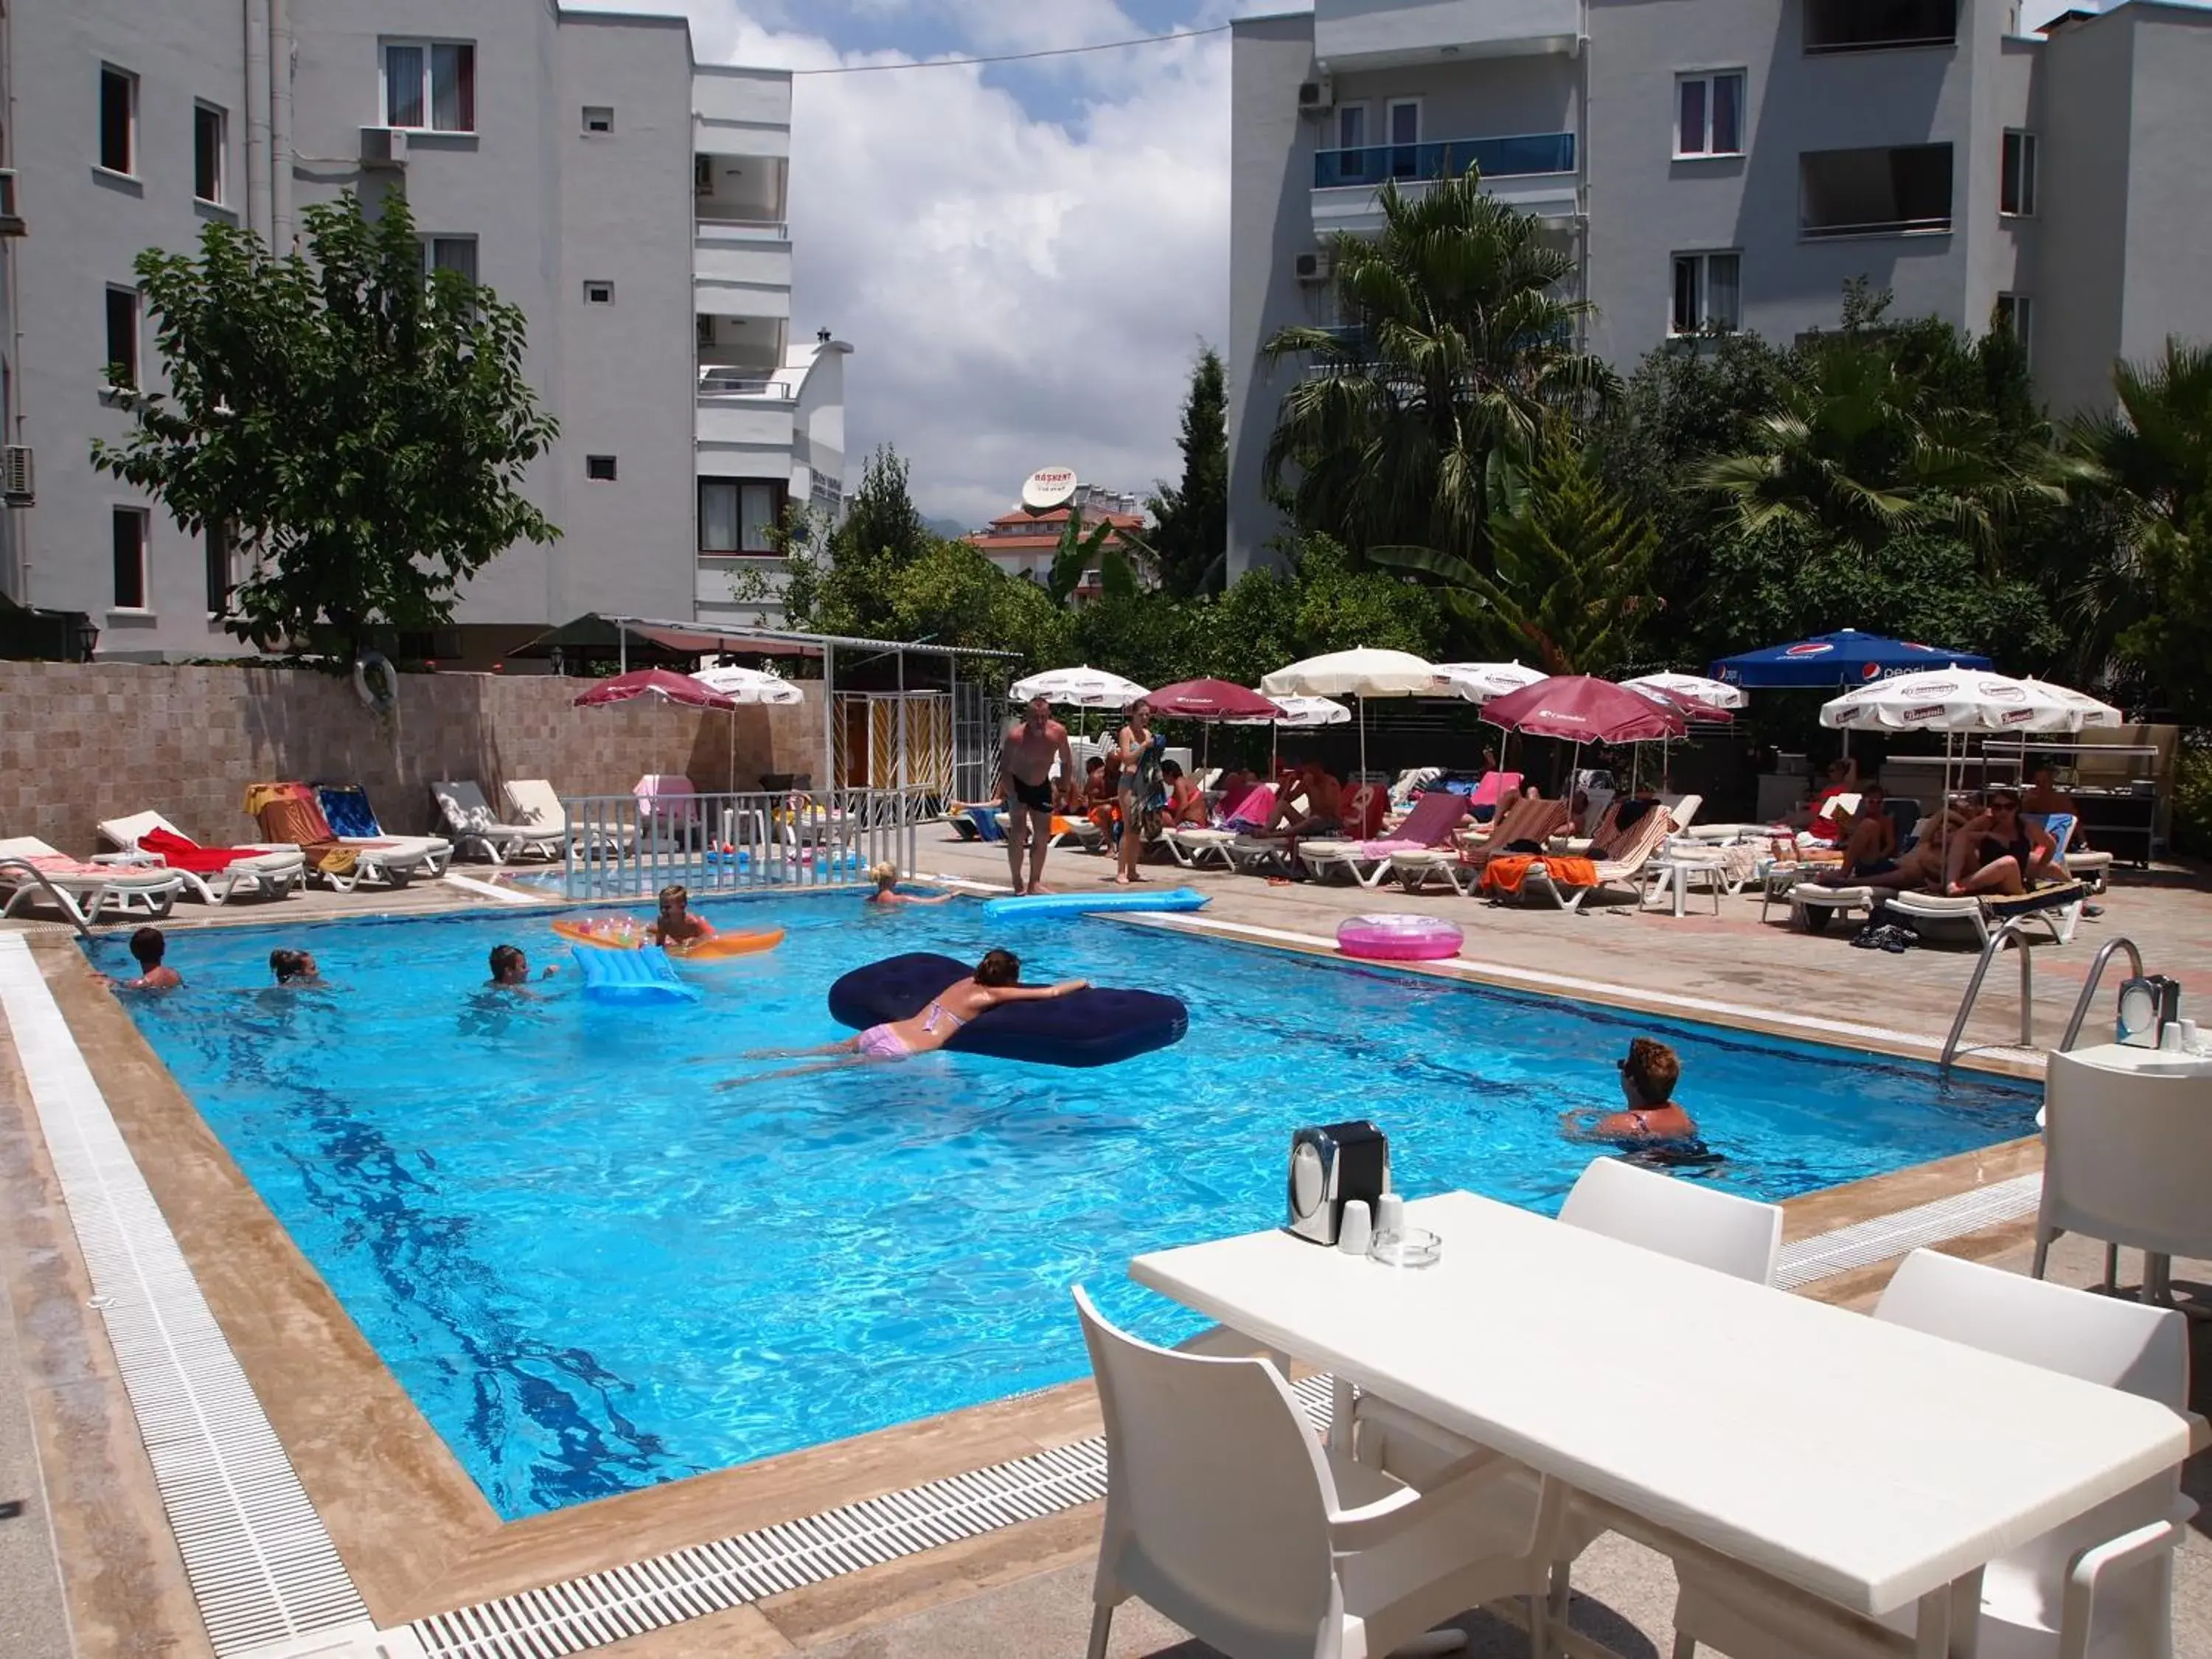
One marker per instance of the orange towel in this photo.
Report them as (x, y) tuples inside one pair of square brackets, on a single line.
[(290, 811), (1504, 874)]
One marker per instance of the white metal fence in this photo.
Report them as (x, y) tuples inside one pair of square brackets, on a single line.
[(627, 846)]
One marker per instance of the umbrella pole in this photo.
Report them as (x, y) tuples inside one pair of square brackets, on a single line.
[(1363, 737)]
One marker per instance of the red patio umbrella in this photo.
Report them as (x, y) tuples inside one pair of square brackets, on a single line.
[(1579, 709), (657, 682), (1212, 699)]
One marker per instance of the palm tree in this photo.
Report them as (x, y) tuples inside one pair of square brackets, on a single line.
[(2155, 449), (1459, 345)]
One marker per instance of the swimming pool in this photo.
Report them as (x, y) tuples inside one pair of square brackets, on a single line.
[(592, 1270)]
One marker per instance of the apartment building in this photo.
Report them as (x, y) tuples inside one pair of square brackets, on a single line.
[(631, 201), (1022, 542), (1733, 163)]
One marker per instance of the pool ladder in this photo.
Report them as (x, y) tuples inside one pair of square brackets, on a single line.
[(2012, 933)]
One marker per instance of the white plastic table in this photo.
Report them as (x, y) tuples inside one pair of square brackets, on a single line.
[(1678, 875), (1868, 1463)]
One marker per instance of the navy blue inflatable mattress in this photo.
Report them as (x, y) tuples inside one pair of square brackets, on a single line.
[(1094, 1027)]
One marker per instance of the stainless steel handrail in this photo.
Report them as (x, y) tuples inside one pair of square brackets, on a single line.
[(2014, 930), (2089, 984)]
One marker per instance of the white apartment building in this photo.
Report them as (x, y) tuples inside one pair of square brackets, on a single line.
[(632, 202), (1733, 163)]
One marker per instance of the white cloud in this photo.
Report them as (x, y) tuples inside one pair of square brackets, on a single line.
[(1017, 291)]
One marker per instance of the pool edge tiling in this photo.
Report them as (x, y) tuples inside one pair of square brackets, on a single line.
[(419, 1538)]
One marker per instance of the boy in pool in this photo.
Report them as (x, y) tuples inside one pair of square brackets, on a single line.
[(885, 876), (676, 925), (997, 979), (147, 946), (510, 969), (294, 968)]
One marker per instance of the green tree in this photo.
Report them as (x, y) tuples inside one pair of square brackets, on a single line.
[(364, 432), (1568, 589), (1113, 552), (1190, 539), (1457, 345), (882, 521)]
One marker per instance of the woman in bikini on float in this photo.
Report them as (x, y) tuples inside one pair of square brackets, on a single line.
[(997, 979)]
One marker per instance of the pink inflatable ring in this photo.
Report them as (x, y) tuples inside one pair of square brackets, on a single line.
[(1399, 938)]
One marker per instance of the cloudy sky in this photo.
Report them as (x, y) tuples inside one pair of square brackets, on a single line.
[(1024, 256)]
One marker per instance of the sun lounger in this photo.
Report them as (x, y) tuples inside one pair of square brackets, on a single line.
[(31, 870), (1431, 823), (2057, 908), (1191, 847), (214, 875), (2094, 869), (346, 806), (468, 815), (290, 816), (1634, 848), (1813, 905), (536, 803), (1523, 818)]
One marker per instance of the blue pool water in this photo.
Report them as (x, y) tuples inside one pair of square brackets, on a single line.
[(593, 1270)]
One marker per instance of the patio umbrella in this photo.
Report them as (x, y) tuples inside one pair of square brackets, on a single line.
[(1478, 681), (1693, 708), (1361, 673), (1846, 657), (1211, 700), (1696, 687), (1078, 688), (656, 682), (748, 687), (2088, 711), (1299, 714), (1581, 709)]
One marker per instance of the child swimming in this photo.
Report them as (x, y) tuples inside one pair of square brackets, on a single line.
[(296, 968), (510, 969), (147, 947), (885, 876), (676, 925)]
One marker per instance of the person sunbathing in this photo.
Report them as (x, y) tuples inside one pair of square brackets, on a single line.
[(2001, 852), (1869, 837), (997, 980), (885, 876), (1323, 797), (676, 925), (1649, 1072), (1186, 800), (146, 948)]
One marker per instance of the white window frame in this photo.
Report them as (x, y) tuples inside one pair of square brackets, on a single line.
[(422, 44), (2030, 159), (145, 521), (2019, 311), (201, 106), (137, 363), (1709, 76), (129, 80), (1366, 111), (591, 110), (1390, 108), (1702, 259), (594, 299), (475, 273), (613, 472)]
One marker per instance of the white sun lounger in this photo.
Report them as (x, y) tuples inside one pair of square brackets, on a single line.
[(2057, 909), (535, 803), (1635, 851), (270, 874), (1429, 824), (468, 815), (30, 870)]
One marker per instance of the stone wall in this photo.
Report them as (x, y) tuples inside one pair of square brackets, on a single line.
[(80, 742)]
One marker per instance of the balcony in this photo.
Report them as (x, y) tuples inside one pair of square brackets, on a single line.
[(740, 112), (742, 262), (1351, 35), (1842, 25), (743, 417), (1899, 191), (1533, 171)]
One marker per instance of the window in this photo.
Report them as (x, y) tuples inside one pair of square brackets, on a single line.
[(130, 531), (1873, 25), (1709, 114), (430, 84), (598, 118), (1351, 126), (702, 175), (1350, 158), (1708, 293), (2016, 316), (706, 327), (599, 469), (455, 253), (123, 338), (118, 119), (1402, 121), (2016, 190), (598, 294), (1896, 191), (215, 540), (736, 516), (207, 152)]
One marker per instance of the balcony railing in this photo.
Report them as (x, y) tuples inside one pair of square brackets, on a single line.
[(718, 382), (1934, 225), (1519, 156)]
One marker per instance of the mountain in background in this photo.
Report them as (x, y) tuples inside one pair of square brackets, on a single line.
[(951, 529)]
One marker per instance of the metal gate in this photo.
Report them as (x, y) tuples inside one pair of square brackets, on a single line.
[(975, 742), (868, 728)]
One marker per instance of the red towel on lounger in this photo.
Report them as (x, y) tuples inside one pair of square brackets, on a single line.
[(180, 852)]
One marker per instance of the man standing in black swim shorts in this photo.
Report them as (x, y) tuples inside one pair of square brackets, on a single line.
[(1033, 743)]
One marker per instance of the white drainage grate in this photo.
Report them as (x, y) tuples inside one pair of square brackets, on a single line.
[(262, 1567), (687, 1584), (1826, 1254)]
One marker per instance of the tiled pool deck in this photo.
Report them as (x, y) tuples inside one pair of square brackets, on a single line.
[(418, 1537)]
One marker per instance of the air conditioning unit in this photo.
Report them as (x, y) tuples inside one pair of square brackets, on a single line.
[(18, 484), (383, 147), (1318, 95), (11, 217), (1316, 267)]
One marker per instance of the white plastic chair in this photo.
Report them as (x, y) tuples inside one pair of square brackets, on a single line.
[(1739, 1236), (2127, 1157), (1224, 1512), (2099, 1587)]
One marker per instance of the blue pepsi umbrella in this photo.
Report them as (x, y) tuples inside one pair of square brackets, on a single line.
[(1845, 657)]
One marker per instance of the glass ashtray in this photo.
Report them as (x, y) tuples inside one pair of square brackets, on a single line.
[(1413, 1248)]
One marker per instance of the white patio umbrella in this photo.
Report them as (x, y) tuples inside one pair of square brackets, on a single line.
[(2088, 711), (1078, 688), (746, 686), (1478, 681), (1298, 713), (1361, 673), (1714, 694)]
